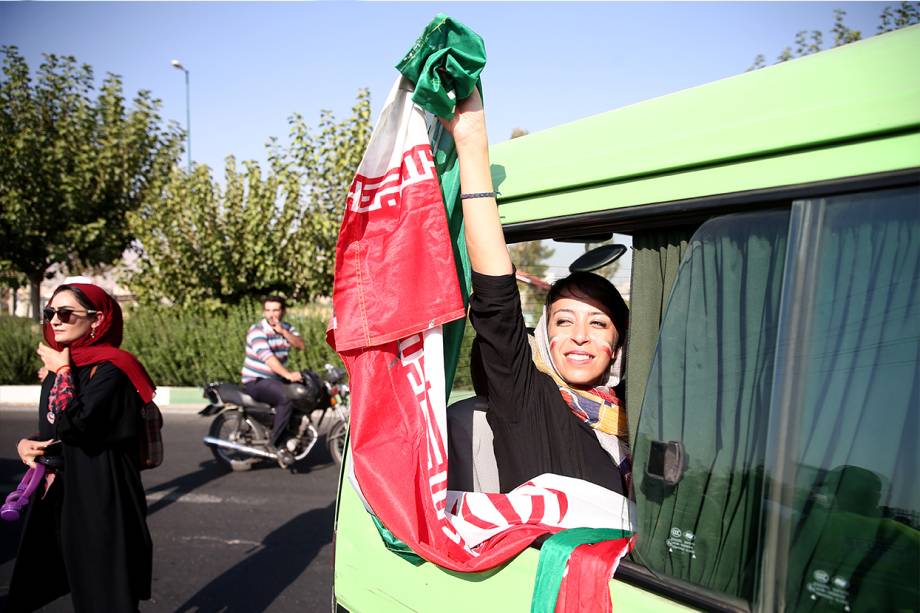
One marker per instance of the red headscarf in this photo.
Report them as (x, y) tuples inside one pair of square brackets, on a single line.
[(103, 346)]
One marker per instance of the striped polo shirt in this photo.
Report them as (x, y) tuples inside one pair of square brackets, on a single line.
[(261, 343)]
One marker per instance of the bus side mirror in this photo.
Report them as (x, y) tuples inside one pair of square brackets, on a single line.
[(597, 258), (666, 462)]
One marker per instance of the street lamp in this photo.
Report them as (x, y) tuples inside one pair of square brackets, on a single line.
[(188, 112)]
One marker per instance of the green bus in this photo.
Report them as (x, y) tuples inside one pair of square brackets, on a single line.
[(773, 357)]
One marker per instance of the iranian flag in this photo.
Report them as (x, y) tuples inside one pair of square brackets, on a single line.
[(395, 287)]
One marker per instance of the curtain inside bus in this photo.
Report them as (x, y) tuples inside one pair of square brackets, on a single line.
[(656, 258), (855, 542), (709, 389)]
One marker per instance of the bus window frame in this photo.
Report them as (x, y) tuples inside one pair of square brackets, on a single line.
[(696, 210)]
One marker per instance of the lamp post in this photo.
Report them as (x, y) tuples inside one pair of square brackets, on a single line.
[(188, 112)]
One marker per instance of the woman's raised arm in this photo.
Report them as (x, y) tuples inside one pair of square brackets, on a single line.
[(485, 241)]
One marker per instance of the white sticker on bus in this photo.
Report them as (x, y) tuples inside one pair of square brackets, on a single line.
[(682, 541), (834, 590)]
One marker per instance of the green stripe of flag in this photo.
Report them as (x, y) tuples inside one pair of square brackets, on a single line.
[(554, 555)]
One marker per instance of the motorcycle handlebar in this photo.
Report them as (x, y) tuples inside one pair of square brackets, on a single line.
[(331, 374)]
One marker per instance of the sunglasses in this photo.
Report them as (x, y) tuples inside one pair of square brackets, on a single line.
[(63, 313)]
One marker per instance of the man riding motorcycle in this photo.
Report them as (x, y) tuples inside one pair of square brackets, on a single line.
[(264, 374)]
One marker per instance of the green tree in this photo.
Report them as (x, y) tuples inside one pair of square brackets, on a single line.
[(530, 257), (262, 233), (72, 166), (759, 62), (907, 14), (843, 35), (10, 282)]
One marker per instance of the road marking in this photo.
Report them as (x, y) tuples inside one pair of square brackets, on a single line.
[(215, 539), (173, 497), (202, 498)]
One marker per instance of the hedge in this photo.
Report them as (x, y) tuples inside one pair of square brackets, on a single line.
[(191, 348), (179, 347), (19, 364), (185, 347)]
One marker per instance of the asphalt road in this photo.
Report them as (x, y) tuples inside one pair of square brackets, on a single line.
[(223, 541)]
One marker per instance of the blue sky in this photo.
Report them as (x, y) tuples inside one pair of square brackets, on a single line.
[(254, 64)]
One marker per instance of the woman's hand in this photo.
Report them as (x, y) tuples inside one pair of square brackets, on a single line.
[(468, 125), (29, 450), (54, 360)]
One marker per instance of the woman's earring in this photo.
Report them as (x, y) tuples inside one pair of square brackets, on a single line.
[(92, 333)]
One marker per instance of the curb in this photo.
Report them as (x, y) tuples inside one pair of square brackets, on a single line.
[(169, 399), (169, 409)]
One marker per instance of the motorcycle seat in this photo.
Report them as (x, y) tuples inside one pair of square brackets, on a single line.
[(230, 392)]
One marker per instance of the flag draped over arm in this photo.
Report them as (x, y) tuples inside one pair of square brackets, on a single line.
[(398, 281)]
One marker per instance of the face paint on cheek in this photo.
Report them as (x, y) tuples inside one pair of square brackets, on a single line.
[(553, 341), (606, 347)]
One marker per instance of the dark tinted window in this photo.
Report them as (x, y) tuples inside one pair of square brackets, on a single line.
[(854, 506), (777, 443), (708, 392)]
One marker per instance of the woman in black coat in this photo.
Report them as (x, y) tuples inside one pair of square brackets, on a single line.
[(86, 530)]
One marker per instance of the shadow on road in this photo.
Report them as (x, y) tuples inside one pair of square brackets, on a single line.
[(253, 584), (12, 470), (207, 471)]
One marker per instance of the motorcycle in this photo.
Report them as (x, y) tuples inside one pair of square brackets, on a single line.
[(240, 433)]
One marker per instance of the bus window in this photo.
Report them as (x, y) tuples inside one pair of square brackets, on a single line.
[(852, 385), (706, 406), (776, 446)]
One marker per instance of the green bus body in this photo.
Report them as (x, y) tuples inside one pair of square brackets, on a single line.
[(849, 111), (844, 119)]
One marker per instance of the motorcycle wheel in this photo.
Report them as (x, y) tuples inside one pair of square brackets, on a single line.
[(230, 426), (335, 441)]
